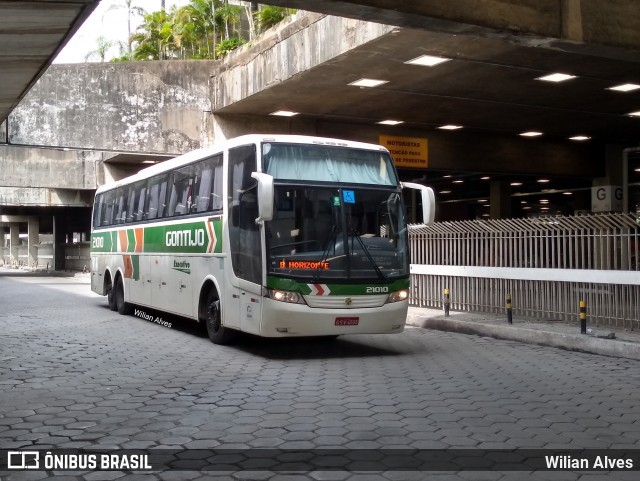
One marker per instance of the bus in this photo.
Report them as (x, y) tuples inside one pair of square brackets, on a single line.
[(273, 235)]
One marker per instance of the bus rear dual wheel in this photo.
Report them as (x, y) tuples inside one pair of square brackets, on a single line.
[(116, 300)]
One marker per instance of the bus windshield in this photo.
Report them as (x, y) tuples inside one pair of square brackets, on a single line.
[(323, 234), (326, 163)]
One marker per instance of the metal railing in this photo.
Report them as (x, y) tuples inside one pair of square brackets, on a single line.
[(547, 265)]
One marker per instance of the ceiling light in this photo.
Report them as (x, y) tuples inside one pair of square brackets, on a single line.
[(543, 181), (444, 192), (427, 60), (486, 177), (636, 170), (556, 77), (516, 184), (284, 113), (450, 127), (567, 193), (530, 134), (391, 122), (482, 200), (579, 137), (458, 181), (624, 87), (523, 202), (368, 82), (544, 208), (544, 201), (634, 114), (446, 176)]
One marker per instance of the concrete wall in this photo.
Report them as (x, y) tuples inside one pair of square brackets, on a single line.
[(159, 107)]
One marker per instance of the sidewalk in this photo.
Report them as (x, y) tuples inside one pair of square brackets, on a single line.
[(37, 271), (565, 335)]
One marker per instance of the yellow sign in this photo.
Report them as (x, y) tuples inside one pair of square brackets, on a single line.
[(409, 152)]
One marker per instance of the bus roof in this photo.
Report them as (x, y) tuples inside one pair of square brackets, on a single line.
[(228, 144)]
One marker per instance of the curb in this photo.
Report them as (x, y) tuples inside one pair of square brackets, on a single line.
[(571, 342)]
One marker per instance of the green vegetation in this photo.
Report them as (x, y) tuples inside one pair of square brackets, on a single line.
[(203, 29)]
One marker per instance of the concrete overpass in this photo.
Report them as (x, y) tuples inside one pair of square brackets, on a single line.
[(490, 85), (32, 33)]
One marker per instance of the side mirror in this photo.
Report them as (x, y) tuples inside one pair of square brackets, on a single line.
[(265, 196), (428, 202)]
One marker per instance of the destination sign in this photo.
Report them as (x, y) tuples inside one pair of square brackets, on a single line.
[(289, 264)]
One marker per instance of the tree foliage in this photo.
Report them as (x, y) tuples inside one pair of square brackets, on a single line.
[(203, 29)]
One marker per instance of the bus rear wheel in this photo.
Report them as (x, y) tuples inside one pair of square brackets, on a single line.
[(123, 307), (218, 334), (111, 297)]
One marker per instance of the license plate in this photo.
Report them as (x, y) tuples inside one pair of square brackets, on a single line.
[(347, 321)]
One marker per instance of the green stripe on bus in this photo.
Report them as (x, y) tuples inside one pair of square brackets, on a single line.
[(364, 288), (190, 238)]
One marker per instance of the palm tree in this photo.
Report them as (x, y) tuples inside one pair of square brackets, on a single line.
[(131, 10), (152, 37), (230, 16), (103, 47), (205, 16)]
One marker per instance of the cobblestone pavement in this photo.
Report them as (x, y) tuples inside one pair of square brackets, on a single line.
[(75, 375)]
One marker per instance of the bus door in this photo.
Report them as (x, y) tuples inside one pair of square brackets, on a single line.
[(245, 301)]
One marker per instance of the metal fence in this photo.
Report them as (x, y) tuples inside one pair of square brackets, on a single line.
[(547, 265)]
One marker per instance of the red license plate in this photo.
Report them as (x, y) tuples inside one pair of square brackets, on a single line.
[(347, 321)]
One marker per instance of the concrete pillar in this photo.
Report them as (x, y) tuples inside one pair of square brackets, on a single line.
[(59, 235), (14, 242), (500, 199), (33, 229)]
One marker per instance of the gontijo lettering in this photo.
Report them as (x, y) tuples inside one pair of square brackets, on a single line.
[(182, 238)]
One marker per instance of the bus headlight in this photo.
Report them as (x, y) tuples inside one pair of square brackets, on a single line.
[(285, 296), (397, 296)]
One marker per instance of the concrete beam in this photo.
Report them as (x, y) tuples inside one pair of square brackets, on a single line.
[(611, 23), (305, 42), (45, 197), (50, 168)]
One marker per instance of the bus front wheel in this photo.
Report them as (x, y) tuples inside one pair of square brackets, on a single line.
[(218, 334), (123, 307)]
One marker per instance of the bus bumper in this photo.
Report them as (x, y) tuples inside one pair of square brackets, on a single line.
[(281, 319)]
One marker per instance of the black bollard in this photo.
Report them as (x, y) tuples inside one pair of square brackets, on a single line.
[(509, 309), (583, 317), (446, 301)]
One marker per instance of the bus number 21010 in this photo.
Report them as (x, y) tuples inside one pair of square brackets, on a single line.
[(377, 290)]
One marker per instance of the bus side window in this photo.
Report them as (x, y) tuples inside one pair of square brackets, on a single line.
[(131, 205), (141, 191), (217, 201), (108, 217), (162, 199), (121, 205), (156, 197), (98, 210), (203, 197), (175, 207)]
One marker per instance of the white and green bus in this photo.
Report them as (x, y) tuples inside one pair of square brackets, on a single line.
[(272, 235)]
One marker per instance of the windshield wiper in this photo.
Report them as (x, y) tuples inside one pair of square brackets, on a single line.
[(325, 253), (368, 254)]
